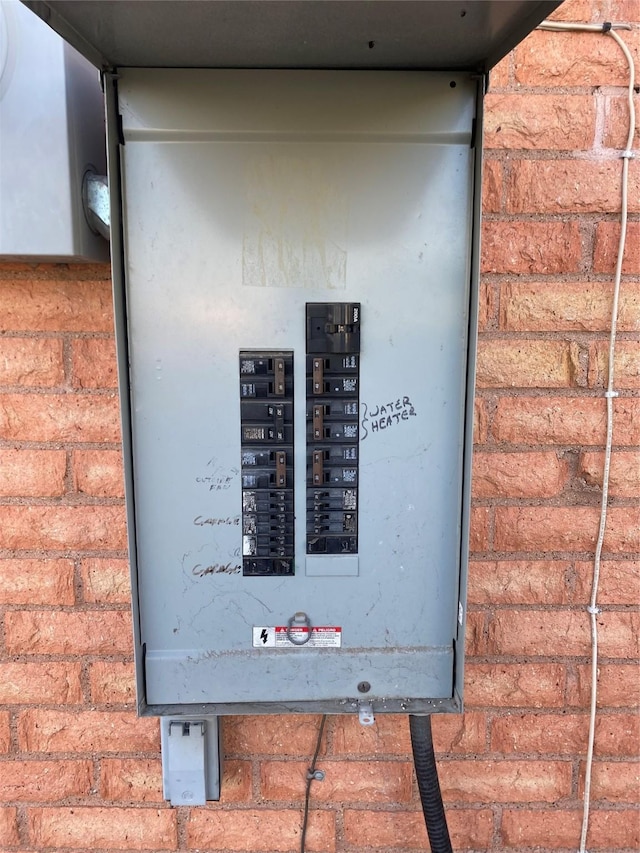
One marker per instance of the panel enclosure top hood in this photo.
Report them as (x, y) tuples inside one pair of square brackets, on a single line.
[(456, 35)]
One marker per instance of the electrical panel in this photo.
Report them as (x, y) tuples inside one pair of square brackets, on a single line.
[(295, 320)]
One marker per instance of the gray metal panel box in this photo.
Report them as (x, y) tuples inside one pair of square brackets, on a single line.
[(373, 34), (251, 200), (52, 133)]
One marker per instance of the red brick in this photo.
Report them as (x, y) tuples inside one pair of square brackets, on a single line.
[(578, 59), (36, 582), (618, 686), (56, 306), (486, 306), (469, 829), (479, 532), (464, 733), (354, 781), (275, 830), (505, 363), (280, 735), (32, 473), (626, 364), (390, 734), (112, 682), (569, 186), (557, 828), (44, 781), (550, 307), (624, 477), (480, 421), (5, 738), (32, 362), (59, 417), (565, 420), (106, 581), (561, 122), (62, 528), (517, 685), (15, 266), (236, 782), (9, 826), (540, 734), (616, 129), (518, 475), (581, 10), (500, 73), (519, 582), (475, 639), (45, 632), (98, 473), (615, 781), (531, 247), (42, 730), (492, 177), (619, 582), (565, 632), (623, 10), (573, 528), (97, 828), (617, 734), (605, 253), (47, 683), (94, 363), (487, 781), (132, 779)]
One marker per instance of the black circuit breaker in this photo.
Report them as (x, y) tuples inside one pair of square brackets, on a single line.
[(266, 416), (333, 367)]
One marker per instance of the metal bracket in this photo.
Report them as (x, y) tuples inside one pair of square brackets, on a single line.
[(191, 765), (365, 714)]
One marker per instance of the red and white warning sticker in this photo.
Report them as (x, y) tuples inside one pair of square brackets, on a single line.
[(322, 636)]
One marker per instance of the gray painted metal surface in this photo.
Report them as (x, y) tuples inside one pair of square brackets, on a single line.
[(191, 759), (426, 34), (246, 195), (52, 120)]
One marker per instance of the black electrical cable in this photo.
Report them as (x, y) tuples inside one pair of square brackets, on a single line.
[(311, 775), (428, 784)]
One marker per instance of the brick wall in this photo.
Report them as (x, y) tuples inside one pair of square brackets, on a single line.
[(79, 771)]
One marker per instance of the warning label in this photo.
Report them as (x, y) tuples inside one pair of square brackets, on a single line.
[(278, 637)]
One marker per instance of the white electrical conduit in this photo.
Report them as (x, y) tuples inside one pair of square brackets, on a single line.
[(610, 393)]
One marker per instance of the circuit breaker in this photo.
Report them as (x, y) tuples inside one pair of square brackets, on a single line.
[(296, 333)]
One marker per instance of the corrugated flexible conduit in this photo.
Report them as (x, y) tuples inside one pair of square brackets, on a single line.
[(428, 784)]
